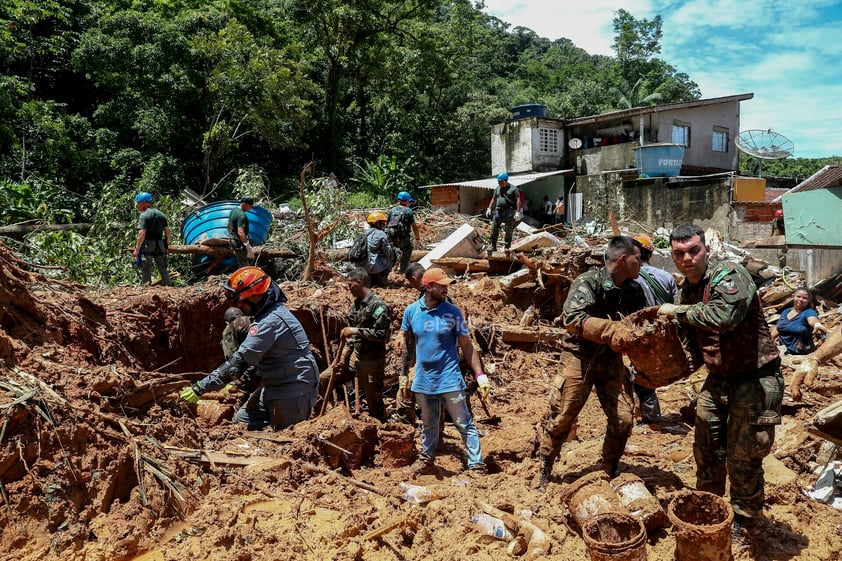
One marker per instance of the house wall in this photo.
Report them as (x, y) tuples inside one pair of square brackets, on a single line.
[(812, 217), (613, 157), (446, 197), (515, 146), (658, 203), (701, 121)]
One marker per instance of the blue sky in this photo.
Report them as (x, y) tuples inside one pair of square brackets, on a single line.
[(787, 52)]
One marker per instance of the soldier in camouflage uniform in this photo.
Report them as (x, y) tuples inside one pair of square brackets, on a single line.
[(236, 330), (740, 402), (364, 354), (591, 356)]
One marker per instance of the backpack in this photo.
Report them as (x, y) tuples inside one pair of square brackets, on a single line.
[(358, 253), (396, 228)]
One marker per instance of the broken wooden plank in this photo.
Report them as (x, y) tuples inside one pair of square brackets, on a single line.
[(517, 278), (518, 334), (218, 458)]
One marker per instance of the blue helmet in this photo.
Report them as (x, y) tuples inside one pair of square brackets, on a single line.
[(404, 196), (503, 177), (143, 198)]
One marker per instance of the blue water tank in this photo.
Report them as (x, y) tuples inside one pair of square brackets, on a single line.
[(659, 160), (208, 225), (528, 110)]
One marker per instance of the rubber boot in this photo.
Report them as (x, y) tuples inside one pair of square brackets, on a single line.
[(546, 472)]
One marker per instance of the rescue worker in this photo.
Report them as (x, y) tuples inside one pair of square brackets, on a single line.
[(381, 255), (740, 401), (238, 232), (777, 224), (401, 227), (660, 288), (591, 356), (235, 332), (277, 345), (364, 352), (153, 240), (504, 210)]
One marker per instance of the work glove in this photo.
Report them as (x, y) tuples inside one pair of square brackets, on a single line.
[(483, 386), (403, 391), (349, 332), (518, 216), (249, 250), (226, 391), (667, 310), (488, 213), (615, 334), (190, 394)]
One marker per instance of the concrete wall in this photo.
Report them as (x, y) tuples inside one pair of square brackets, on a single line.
[(613, 157), (515, 146), (813, 217), (701, 121)]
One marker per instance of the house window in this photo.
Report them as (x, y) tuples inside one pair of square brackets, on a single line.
[(681, 133), (720, 139), (548, 141)]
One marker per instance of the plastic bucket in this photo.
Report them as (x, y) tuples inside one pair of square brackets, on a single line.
[(702, 524), (633, 494), (208, 225), (615, 536)]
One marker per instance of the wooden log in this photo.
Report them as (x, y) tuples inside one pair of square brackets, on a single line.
[(517, 278), (543, 335), (17, 230)]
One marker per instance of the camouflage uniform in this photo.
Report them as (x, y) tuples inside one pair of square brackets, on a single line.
[(367, 355), (402, 242), (740, 402), (586, 364), (232, 337)]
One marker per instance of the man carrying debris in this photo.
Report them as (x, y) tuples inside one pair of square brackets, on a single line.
[(660, 288), (591, 356), (401, 228), (504, 209), (238, 232), (153, 240), (740, 401), (277, 345), (364, 350), (381, 255), (432, 328)]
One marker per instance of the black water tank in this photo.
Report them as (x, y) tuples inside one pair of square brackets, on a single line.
[(529, 110)]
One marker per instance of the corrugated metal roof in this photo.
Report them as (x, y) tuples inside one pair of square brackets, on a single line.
[(828, 176), (491, 183), (654, 109)]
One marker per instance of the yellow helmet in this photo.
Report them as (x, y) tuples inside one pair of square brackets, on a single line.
[(376, 216)]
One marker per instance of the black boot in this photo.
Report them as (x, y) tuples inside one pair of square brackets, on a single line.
[(546, 471)]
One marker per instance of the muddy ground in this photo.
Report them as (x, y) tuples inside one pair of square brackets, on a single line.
[(99, 460)]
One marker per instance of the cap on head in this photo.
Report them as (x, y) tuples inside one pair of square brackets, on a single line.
[(232, 313), (246, 282), (375, 217), (645, 241), (779, 213), (404, 196), (436, 276), (503, 177), (143, 198)]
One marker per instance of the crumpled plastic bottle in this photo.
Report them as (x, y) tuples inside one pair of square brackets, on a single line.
[(491, 526), (417, 494)]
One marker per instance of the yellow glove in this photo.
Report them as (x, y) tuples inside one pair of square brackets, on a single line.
[(189, 394), (226, 391), (483, 386)]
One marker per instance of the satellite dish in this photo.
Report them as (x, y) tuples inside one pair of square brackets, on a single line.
[(575, 143), (766, 145)]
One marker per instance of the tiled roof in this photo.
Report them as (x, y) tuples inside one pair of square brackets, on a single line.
[(828, 176)]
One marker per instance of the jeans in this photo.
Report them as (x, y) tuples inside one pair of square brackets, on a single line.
[(457, 405)]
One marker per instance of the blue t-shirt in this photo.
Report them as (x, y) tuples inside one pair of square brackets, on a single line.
[(796, 334), (436, 332)]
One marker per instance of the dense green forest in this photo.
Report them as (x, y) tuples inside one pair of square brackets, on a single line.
[(100, 100)]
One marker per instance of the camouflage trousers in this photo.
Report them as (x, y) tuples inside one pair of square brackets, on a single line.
[(370, 372), (570, 390), (735, 430)]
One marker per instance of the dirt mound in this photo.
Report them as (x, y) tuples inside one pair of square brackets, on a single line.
[(99, 460)]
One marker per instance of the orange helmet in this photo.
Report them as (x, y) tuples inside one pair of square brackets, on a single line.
[(645, 241), (376, 217), (246, 282)]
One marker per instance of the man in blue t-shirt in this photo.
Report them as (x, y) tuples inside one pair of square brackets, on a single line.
[(432, 328)]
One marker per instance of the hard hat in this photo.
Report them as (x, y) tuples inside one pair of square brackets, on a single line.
[(779, 213), (503, 177), (645, 241), (246, 282), (232, 313), (404, 196), (375, 217), (143, 198)]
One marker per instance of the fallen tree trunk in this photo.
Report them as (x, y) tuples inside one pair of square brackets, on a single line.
[(17, 230)]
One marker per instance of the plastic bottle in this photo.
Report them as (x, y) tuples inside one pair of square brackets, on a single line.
[(417, 494), (491, 526)]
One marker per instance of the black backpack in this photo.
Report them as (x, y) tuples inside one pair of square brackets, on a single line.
[(397, 228), (358, 253)]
